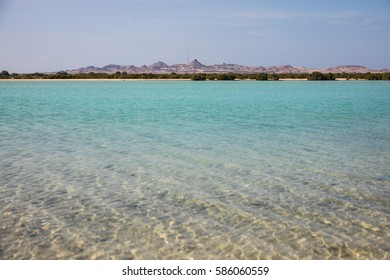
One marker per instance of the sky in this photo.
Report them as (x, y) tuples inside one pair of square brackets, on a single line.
[(54, 35)]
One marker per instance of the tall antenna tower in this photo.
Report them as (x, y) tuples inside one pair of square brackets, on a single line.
[(188, 56)]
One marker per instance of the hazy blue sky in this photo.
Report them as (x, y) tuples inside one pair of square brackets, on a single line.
[(51, 35)]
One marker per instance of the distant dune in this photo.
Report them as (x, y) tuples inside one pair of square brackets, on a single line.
[(196, 67)]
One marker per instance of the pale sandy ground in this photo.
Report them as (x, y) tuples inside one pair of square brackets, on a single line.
[(345, 79), (288, 79)]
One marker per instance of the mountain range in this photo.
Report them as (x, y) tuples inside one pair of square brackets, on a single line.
[(196, 67)]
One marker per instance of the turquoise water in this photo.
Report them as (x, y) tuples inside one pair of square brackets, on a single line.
[(195, 170)]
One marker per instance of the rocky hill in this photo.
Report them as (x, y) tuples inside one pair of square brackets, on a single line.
[(196, 67)]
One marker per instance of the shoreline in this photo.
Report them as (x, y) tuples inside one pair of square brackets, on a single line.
[(91, 80), (159, 80)]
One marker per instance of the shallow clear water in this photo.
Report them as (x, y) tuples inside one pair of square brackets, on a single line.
[(194, 170)]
